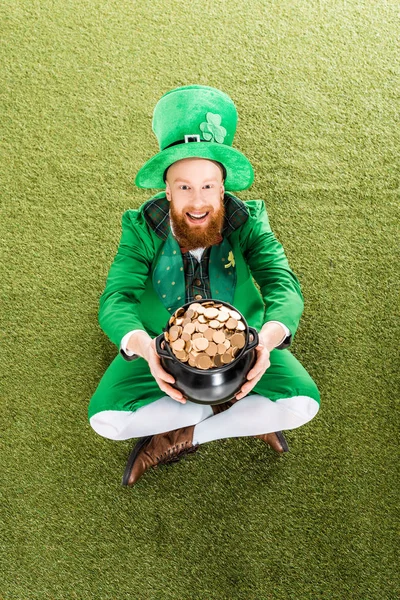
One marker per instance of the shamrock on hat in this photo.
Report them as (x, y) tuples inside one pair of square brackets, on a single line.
[(212, 130)]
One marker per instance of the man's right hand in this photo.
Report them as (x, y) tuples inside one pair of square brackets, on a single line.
[(141, 343)]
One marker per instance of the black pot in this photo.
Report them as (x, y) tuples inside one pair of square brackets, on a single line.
[(211, 386)]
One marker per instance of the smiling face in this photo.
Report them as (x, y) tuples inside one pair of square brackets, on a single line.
[(195, 190)]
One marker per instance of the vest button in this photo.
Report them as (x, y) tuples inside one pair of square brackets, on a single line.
[(197, 282), (198, 297)]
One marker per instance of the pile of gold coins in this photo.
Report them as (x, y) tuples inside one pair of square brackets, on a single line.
[(206, 335)]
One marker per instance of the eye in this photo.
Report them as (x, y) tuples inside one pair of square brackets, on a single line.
[(208, 186), (183, 187)]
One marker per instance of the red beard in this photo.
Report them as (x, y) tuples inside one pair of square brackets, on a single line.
[(190, 236)]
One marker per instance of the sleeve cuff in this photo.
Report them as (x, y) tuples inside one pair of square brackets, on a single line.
[(286, 339), (127, 354)]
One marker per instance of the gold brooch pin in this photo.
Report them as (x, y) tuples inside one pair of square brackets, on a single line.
[(231, 260)]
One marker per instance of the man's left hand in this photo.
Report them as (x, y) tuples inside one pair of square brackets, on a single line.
[(270, 336), (255, 374)]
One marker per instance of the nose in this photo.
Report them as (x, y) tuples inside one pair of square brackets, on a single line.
[(197, 197)]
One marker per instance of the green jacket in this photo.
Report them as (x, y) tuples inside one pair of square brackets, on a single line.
[(248, 269)]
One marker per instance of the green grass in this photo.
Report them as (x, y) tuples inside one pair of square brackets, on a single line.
[(315, 84)]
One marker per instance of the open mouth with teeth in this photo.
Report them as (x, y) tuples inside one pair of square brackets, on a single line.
[(197, 217)]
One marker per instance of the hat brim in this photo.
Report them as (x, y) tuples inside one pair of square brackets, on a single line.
[(239, 172)]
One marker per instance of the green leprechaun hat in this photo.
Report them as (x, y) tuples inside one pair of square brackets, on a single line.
[(196, 121)]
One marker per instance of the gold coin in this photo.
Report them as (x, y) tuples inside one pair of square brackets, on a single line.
[(211, 313), (196, 336), (241, 326), (231, 323), (189, 313), (178, 344), (195, 307), (219, 337), (212, 349), (218, 361), (238, 339), (166, 336), (192, 362), (214, 324), (195, 322), (221, 349), (189, 328), (203, 361), (202, 327), (227, 344), (188, 346), (200, 344), (209, 334), (235, 315), (223, 316), (226, 358), (202, 319), (182, 355), (173, 333)]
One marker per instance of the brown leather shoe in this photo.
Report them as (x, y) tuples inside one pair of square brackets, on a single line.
[(153, 450), (219, 408), (275, 440)]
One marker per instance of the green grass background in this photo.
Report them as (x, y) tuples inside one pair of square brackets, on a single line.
[(316, 85)]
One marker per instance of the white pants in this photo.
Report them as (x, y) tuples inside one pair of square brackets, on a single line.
[(252, 415)]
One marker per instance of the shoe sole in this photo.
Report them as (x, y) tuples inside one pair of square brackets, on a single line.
[(282, 441), (132, 457)]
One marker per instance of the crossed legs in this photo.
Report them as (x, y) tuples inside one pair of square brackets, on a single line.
[(253, 415)]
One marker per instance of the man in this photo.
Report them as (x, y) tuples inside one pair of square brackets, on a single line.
[(197, 240)]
